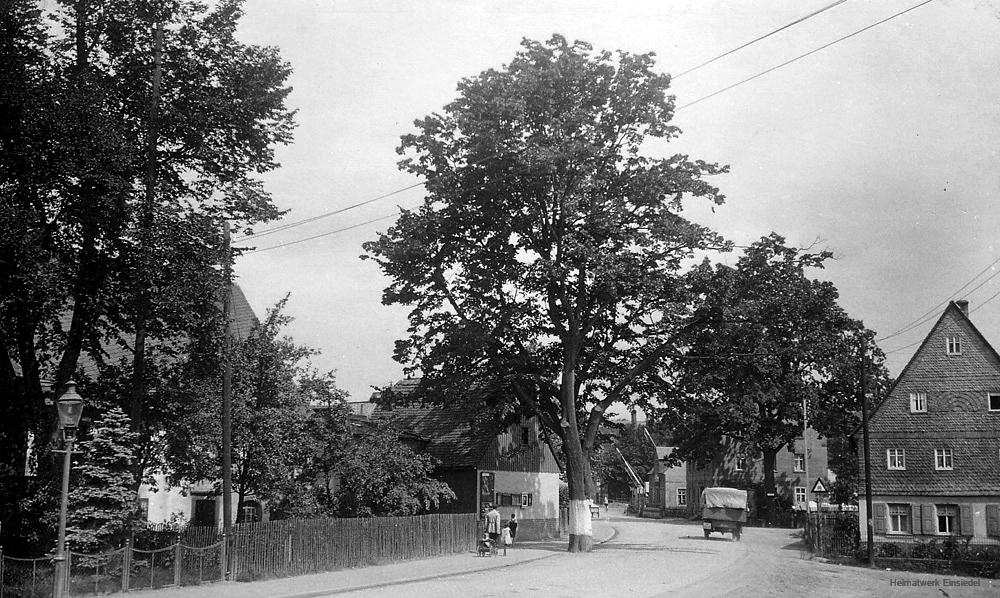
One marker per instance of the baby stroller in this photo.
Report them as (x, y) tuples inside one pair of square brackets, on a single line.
[(486, 547)]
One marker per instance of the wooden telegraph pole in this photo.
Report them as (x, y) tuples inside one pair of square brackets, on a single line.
[(868, 462), (227, 406)]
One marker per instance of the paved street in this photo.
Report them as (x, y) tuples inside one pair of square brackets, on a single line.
[(635, 557)]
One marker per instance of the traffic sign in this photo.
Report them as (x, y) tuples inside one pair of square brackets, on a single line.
[(819, 487)]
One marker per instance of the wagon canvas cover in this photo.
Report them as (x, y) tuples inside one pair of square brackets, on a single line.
[(725, 498)]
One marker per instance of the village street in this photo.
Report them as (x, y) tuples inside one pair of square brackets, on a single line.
[(633, 557), (656, 558)]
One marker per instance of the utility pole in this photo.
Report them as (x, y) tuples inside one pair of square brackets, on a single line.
[(868, 462), (805, 449), (227, 405)]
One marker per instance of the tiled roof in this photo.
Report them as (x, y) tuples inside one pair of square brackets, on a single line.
[(244, 320), (449, 432)]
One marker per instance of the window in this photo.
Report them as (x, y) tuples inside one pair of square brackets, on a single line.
[(942, 459), (800, 462), (682, 496), (954, 345), (946, 518), (918, 402), (741, 463), (525, 435), (895, 459), (899, 518), (800, 494), (994, 402), (250, 512)]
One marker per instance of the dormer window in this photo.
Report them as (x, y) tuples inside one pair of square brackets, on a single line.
[(918, 402), (954, 345), (994, 401)]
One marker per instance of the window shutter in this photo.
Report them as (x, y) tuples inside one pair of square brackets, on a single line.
[(965, 520), (879, 510), (915, 523), (993, 520), (927, 519)]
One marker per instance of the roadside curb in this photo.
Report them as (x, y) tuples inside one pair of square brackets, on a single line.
[(401, 581)]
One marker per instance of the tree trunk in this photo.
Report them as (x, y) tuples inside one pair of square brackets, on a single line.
[(770, 495), (581, 533)]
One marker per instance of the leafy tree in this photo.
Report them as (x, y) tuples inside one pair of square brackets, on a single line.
[(635, 447), (274, 438), (381, 476), (102, 497), (542, 265), (134, 128), (769, 339)]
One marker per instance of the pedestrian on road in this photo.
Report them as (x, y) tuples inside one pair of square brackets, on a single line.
[(505, 540), (512, 524), (605, 505), (493, 524)]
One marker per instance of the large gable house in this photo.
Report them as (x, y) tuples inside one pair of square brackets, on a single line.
[(935, 439)]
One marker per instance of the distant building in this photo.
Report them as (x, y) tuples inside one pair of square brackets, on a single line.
[(511, 467), (668, 488), (935, 440), (736, 467)]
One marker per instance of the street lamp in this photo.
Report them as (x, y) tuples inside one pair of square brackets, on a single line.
[(70, 406)]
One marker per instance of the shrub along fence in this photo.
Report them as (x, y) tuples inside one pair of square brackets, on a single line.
[(155, 558), (837, 535)]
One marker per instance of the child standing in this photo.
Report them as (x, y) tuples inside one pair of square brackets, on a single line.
[(505, 539)]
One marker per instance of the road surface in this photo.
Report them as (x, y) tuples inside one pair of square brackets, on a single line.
[(672, 558)]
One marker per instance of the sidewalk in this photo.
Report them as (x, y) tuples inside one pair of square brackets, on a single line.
[(348, 580)]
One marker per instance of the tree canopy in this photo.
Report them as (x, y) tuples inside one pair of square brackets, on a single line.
[(543, 264), (770, 341), (131, 129)]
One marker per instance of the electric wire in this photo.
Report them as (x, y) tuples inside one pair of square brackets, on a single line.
[(391, 193), (801, 56), (757, 39), (932, 312)]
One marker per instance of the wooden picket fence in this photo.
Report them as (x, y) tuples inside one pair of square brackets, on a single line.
[(297, 546)]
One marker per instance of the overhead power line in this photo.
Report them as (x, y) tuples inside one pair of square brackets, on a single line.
[(757, 39), (297, 223), (289, 225), (723, 90), (326, 234), (801, 56), (932, 312)]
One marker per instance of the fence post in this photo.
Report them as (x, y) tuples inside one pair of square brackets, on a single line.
[(67, 570), (126, 564), (178, 556), (223, 555)]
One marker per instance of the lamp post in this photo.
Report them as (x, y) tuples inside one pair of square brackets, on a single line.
[(70, 406)]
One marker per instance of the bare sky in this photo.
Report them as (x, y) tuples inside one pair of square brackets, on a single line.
[(884, 146)]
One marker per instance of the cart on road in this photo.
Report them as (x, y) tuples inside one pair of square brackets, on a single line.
[(724, 510)]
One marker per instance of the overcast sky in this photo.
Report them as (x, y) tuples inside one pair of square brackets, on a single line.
[(884, 146)]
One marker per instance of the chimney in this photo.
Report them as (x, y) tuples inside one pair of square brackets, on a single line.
[(963, 305)]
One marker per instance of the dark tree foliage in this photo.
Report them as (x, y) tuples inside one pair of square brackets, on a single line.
[(769, 340), (130, 130), (542, 267), (381, 476)]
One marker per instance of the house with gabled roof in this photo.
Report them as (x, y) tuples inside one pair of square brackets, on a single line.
[(935, 440), (510, 466), (667, 485)]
